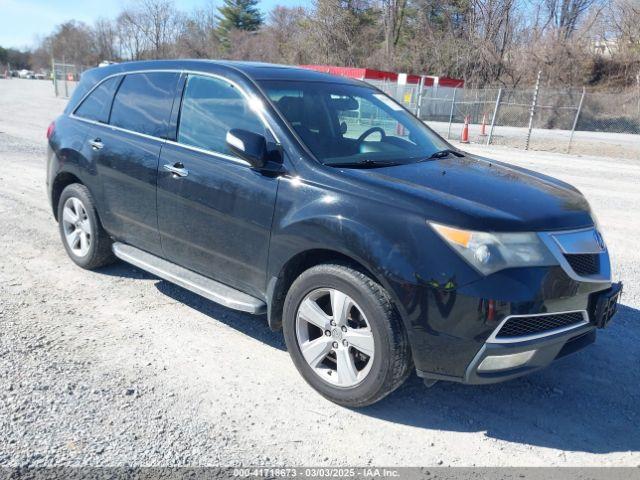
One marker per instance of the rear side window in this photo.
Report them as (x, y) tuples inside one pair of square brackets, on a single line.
[(143, 103), (210, 108), (96, 105)]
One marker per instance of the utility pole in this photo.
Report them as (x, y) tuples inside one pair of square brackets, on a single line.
[(638, 82), (534, 102), (495, 116), (453, 106), (64, 74), (420, 90), (575, 120)]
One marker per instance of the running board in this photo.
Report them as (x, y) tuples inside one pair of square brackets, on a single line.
[(215, 291)]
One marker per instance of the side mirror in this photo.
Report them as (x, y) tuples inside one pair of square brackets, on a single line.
[(249, 146)]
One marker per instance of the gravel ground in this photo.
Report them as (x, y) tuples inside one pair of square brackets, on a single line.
[(117, 367)]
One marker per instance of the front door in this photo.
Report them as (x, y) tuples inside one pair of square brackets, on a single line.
[(215, 213)]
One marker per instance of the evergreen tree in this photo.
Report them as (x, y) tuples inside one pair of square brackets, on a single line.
[(239, 15)]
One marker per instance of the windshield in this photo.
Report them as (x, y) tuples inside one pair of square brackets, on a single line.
[(351, 124)]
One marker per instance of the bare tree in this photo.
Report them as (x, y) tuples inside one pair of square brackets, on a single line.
[(339, 31), (393, 12), (491, 32), (198, 37), (105, 35), (486, 42), (132, 39), (287, 32), (150, 28), (73, 42), (565, 15)]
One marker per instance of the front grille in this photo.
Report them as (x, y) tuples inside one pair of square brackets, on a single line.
[(584, 264), (534, 325)]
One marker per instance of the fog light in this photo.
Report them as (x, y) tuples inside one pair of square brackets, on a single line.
[(504, 362)]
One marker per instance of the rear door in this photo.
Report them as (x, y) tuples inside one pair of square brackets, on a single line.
[(128, 149), (94, 109), (215, 218)]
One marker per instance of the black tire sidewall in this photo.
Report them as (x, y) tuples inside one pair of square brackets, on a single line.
[(81, 193), (347, 281)]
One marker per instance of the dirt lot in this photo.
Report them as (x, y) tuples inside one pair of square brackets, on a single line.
[(118, 367)]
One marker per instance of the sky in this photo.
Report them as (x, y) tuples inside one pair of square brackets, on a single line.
[(22, 22)]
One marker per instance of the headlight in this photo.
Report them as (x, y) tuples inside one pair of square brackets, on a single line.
[(490, 252)]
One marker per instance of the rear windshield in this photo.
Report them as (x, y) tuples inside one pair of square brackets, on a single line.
[(342, 123)]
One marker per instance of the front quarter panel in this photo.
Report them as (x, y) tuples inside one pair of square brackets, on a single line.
[(395, 245)]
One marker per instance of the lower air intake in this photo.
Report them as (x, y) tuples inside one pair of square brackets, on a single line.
[(584, 264), (538, 324)]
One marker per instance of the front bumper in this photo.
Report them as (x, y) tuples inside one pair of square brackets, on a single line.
[(503, 358), (545, 351)]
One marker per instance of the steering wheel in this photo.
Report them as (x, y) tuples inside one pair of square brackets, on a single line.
[(369, 132)]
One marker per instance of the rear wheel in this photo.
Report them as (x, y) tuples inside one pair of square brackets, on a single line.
[(345, 335), (83, 237)]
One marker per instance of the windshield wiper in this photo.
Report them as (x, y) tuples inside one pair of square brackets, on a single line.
[(445, 153), (368, 163)]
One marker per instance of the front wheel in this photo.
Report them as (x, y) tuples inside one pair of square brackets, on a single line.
[(345, 336)]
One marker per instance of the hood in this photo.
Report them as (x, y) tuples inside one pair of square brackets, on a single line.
[(482, 194)]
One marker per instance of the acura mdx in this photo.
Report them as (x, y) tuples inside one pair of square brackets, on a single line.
[(374, 244)]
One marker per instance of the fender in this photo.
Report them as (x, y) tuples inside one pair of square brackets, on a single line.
[(379, 238), (68, 161)]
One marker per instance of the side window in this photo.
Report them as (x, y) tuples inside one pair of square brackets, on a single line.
[(96, 105), (210, 108), (143, 103)]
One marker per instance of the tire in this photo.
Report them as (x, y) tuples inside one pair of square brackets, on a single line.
[(369, 313), (81, 232)]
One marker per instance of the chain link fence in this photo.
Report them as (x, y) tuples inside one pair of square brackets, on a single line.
[(558, 120), (407, 94), (567, 120), (65, 77)]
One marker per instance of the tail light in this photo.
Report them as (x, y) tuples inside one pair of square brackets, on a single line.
[(50, 129)]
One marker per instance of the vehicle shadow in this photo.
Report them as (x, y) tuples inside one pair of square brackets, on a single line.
[(589, 401), (252, 325)]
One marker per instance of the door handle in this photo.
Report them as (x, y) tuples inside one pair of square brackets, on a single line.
[(177, 169), (96, 144)]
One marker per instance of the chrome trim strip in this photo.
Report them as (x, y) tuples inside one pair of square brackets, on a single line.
[(551, 242), (118, 129), (492, 338), (209, 152), (578, 241)]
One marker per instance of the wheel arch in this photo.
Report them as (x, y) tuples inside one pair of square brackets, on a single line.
[(61, 181), (292, 268)]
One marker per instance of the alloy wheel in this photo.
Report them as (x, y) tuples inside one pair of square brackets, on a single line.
[(335, 337), (77, 227)]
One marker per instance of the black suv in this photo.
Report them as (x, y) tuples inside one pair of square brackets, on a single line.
[(373, 243)]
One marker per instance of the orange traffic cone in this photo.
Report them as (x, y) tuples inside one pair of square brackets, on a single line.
[(464, 138), (483, 128)]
